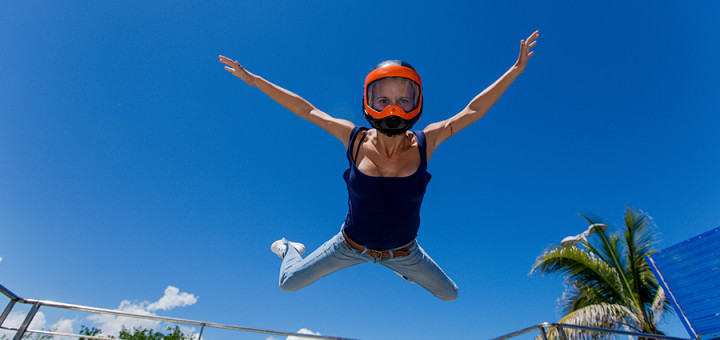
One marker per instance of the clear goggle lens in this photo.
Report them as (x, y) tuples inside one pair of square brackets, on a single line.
[(398, 91)]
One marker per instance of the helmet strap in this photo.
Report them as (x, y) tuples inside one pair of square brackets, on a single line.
[(385, 132), (391, 133)]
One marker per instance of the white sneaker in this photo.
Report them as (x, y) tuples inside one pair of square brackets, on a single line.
[(279, 247)]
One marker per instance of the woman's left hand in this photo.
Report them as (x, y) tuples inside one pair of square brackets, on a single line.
[(525, 53)]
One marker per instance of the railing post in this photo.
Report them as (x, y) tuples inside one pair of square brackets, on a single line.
[(544, 335), (561, 332), (31, 314), (201, 331), (6, 312)]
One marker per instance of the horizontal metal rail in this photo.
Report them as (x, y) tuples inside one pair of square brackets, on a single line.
[(90, 337), (38, 303), (560, 326)]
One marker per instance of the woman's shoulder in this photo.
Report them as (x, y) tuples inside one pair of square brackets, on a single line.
[(357, 136), (419, 137)]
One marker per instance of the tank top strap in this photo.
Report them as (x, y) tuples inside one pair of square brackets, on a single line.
[(422, 145), (353, 136)]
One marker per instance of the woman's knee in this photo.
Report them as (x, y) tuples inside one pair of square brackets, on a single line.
[(289, 284)]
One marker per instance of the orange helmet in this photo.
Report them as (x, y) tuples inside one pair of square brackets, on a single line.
[(392, 102)]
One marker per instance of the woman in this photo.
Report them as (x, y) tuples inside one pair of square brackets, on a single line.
[(387, 176)]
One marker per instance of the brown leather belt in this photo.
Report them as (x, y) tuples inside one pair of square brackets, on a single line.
[(378, 254)]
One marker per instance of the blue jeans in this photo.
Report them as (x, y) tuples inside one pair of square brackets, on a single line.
[(417, 267)]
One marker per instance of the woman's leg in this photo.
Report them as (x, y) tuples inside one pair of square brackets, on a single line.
[(419, 268), (297, 273)]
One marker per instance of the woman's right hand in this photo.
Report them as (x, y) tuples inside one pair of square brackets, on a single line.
[(235, 68)]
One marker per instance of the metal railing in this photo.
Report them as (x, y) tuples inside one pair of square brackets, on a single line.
[(562, 335), (36, 304), (543, 328)]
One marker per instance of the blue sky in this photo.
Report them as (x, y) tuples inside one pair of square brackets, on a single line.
[(131, 162)]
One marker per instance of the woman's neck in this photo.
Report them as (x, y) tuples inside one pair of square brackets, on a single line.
[(389, 145)]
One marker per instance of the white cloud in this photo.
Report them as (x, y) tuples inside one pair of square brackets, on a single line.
[(63, 326), (292, 337), (302, 331), (111, 324), (15, 319), (172, 299), (187, 330)]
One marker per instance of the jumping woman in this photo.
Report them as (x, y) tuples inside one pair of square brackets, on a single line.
[(387, 174)]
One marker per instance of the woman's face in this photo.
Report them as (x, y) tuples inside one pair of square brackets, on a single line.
[(393, 91)]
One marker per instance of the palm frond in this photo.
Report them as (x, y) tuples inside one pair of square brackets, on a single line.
[(612, 316), (578, 265), (660, 305), (639, 240), (609, 316), (578, 295), (640, 235)]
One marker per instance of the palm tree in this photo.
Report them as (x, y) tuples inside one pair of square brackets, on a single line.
[(608, 283)]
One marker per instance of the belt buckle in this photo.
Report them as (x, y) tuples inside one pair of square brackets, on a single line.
[(375, 253)]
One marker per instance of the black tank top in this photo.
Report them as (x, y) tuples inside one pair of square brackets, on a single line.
[(384, 212)]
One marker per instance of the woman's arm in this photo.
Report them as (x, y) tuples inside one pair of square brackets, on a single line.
[(340, 128), (439, 132)]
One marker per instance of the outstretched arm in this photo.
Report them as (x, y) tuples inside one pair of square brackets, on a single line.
[(340, 128), (439, 132)]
